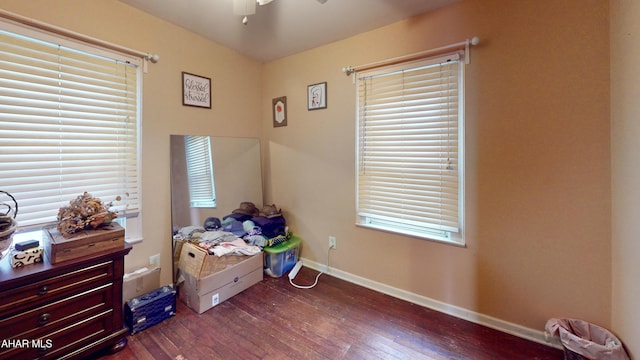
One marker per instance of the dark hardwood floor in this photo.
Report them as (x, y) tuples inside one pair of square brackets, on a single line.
[(334, 320)]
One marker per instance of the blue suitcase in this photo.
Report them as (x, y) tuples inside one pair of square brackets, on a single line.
[(149, 309)]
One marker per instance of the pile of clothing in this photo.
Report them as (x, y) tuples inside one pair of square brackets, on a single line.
[(245, 231)]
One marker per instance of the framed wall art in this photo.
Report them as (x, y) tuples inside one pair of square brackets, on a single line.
[(317, 96), (196, 90), (279, 106)]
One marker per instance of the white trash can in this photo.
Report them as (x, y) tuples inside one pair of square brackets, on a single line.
[(585, 341)]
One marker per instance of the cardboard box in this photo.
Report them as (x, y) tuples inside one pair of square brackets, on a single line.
[(26, 257), (177, 250), (197, 262), (60, 247), (140, 282), (203, 293)]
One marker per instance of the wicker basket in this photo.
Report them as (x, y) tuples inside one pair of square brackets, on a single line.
[(7, 233), (6, 237), (8, 223), (197, 262), (10, 208)]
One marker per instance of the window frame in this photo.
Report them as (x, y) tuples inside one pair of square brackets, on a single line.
[(391, 224), (131, 221), (200, 171)]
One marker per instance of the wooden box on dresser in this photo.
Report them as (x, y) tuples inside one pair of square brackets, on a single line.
[(64, 311)]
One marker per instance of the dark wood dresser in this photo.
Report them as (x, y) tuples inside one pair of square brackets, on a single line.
[(64, 311)]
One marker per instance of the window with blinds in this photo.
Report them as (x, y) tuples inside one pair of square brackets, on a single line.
[(69, 124), (202, 191), (409, 153)]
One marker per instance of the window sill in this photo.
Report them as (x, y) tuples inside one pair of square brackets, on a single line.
[(413, 235), (134, 241)]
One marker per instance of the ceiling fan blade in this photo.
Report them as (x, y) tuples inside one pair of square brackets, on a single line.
[(265, 2)]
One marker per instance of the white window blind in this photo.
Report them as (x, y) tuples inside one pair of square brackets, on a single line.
[(202, 191), (69, 123), (410, 148)]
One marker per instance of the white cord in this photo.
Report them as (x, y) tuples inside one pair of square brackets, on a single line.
[(307, 286), (317, 276)]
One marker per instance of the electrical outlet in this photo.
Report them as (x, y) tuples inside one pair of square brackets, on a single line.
[(332, 242), (154, 260)]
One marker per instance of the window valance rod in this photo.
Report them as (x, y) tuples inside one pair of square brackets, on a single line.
[(348, 70), (76, 36)]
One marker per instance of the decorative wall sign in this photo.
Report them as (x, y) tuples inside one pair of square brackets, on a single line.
[(317, 96), (196, 90), (279, 111)]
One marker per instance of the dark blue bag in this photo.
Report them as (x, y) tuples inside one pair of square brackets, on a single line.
[(271, 227), (239, 217)]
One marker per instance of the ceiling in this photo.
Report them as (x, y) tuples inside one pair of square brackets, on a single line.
[(283, 27)]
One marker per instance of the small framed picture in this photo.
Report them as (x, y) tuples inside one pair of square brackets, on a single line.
[(279, 111), (317, 96), (196, 90)]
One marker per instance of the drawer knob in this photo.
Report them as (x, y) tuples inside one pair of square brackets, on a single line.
[(44, 318), (43, 290)]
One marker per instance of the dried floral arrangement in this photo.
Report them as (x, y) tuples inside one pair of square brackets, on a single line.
[(83, 213)]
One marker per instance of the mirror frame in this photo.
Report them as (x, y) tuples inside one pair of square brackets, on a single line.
[(237, 171)]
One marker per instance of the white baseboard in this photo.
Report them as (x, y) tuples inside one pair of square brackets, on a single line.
[(489, 321)]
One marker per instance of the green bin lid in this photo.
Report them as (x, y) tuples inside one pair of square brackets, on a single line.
[(291, 243)]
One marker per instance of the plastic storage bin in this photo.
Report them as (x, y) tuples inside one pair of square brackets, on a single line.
[(149, 309), (281, 258)]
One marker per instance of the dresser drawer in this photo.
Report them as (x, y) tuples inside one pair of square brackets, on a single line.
[(53, 288), (57, 314), (63, 311), (53, 345)]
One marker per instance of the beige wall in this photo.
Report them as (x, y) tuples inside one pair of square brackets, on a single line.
[(537, 176), (538, 150), (236, 87), (625, 133)]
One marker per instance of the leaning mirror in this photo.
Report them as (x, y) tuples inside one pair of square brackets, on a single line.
[(211, 176)]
